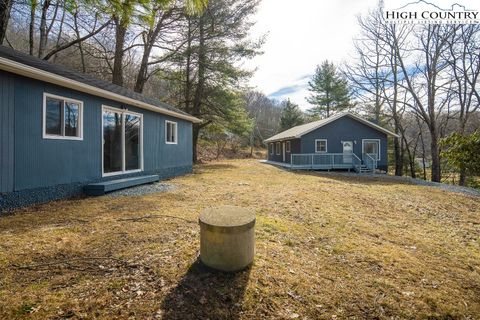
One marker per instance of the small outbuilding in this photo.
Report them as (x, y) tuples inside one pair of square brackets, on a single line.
[(343, 141), (62, 131)]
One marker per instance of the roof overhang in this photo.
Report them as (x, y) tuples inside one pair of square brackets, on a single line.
[(280, 139), (38, 74), (330, 120)]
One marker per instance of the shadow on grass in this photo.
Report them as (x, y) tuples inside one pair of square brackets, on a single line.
[(204, 293)]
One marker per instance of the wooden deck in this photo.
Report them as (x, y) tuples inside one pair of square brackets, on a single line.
[(100, 188), (328, 161)]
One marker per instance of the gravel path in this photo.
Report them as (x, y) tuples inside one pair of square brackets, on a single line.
[(142, 190), (443, 186)]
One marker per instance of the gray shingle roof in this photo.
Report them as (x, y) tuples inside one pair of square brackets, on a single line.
[(298, 131), (43, 65)]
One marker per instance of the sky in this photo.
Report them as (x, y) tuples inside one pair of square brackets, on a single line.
[(300, 35)]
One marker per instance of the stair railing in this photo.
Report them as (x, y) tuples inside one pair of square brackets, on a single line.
[(370, 161), (357, 162)]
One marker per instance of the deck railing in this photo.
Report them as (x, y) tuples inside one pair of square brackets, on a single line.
[(370, 160), (325, 161)]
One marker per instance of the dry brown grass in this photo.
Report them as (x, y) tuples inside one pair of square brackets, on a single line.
[(327, 246)]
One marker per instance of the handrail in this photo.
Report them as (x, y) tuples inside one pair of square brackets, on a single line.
[(372, 161)]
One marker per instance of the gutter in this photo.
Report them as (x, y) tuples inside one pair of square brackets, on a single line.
[(38, 74)]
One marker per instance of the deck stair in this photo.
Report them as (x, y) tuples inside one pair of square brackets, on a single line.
[(100, 188), (363, 169)]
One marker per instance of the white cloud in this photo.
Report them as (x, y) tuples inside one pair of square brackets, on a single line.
[(302, 34)]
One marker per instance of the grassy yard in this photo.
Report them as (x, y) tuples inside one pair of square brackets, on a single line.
[(327, 247)]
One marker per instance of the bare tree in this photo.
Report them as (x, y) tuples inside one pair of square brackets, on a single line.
[(463, 58), (425, 83), (5, 9)]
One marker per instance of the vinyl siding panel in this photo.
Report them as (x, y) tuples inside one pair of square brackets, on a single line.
[(345, 129), (294, 148), (48, 162), (7, 100)]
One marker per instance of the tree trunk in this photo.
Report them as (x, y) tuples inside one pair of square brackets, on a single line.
[(5, 9), (398, 157), (196, 131), (188, 83), (197, 102), (31, 29), (43, 29), (120, 32), (59, 36), (142, 72), (435, 152), (80, 46)]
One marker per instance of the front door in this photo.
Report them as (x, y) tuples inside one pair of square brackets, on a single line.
[(283, 151), (347, 151)]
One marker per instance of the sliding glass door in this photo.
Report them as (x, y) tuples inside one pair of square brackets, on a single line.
[(122, 141), (132, 142)]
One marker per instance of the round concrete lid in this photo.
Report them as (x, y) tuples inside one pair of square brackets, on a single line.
[(227, 217)]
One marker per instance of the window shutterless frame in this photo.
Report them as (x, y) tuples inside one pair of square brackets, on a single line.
[(271, 146), (62, 136), (175, 130), (326, 145), (123, 113), (287, 146), (277, 147), (372, 140)]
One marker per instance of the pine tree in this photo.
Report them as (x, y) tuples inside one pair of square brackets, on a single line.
[(291, 115), (329, 91)]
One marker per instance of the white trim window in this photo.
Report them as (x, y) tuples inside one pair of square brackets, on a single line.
[(278, 148), (122, 149), (271, 147), (62, 118), (371, 146), (321, 146), (171, 132), (287, 147)]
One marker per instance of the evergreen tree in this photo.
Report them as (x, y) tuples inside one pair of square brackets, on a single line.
[(291, 116), (462, 152), (329, 91)]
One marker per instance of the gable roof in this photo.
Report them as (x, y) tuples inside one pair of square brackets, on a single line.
[(298, 131), (26, 65)]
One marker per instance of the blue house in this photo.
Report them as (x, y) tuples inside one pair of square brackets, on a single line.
[(343, 141), (63, 133)]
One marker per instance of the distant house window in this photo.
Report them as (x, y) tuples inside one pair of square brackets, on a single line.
[(277, 146), (62, 118), (321, 145), (372, 147), (171, 132), (271, 148), (287, 147)]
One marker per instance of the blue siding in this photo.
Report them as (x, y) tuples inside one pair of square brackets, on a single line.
[(346, 129), (7, 91), (46, 162), (294, 148)]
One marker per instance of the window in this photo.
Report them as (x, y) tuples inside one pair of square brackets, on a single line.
[(277, 146), (62, 118), (271, 148), (170, 132), (122, 141), (321, 145), (371, 146), (287, 147)]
